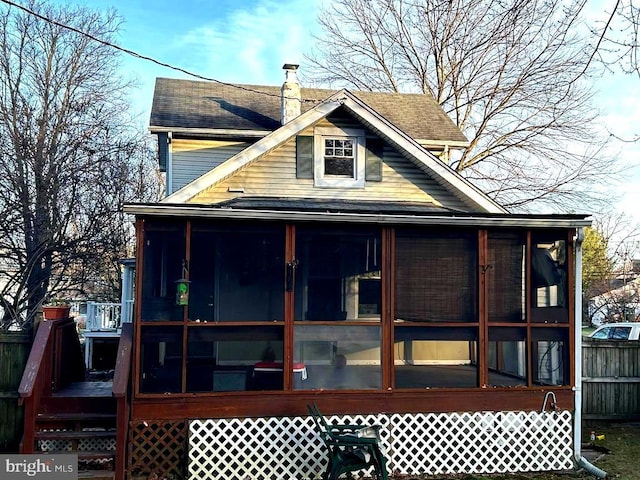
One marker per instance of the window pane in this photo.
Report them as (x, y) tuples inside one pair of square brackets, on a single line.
[(550, 351), (338, 158), (431, 357), (161, 360), (338, 274), (223, 359), (338, 357), (549, 278), (603, 333), (339, 166), (505, 275), (621, 333), (436, 276), (237, 273), (507, 357), (164, 256)]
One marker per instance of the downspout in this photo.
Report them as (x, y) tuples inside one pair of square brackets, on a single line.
[(169, 176), (577, 415)]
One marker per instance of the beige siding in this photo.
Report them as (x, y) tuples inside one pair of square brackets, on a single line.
[(275, 175), (192, 158)]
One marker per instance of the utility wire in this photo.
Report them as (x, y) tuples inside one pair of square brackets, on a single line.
[(139, 55)]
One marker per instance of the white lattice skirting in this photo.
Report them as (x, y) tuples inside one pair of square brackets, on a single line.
[(286, 448)]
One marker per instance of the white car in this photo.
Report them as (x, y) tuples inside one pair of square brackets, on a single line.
[(617, 331)]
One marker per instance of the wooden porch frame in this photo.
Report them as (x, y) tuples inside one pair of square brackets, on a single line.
[(526, 397)]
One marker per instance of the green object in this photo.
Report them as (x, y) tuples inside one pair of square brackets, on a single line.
[(350, 447), (182, 291)]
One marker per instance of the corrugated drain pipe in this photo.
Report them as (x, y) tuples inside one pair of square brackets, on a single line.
[(577, 412)]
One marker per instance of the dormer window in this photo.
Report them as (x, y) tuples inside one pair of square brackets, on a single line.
[(339, 159)]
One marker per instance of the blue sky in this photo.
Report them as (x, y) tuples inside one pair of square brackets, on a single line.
[(248, 41), (240, 41)]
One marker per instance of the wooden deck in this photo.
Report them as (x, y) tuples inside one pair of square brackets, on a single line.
[(64, 411)]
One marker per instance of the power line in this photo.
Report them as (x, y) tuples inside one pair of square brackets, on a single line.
[(136, 54)]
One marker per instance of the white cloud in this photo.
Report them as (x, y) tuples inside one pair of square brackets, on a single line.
[(252, 41)]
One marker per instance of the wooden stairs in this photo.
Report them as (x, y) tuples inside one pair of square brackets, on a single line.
[(64, 414), (80, 419)]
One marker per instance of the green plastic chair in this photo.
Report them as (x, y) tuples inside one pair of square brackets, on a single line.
[(349, 447)]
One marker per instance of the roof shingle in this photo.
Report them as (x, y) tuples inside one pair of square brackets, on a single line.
[(192, 104)]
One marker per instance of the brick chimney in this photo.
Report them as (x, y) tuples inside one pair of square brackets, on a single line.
[(290, 98)]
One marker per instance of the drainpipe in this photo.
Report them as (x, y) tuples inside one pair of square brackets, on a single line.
[(577, 412)]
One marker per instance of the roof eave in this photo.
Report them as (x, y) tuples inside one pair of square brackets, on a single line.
[(211, 132), (236, 132), (457, 219), (442, 143)]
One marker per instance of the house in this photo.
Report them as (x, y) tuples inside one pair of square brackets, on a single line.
[(327, 253), (103, 322), (314, 246), (620, 304)]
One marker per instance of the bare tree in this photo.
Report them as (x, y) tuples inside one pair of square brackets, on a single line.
[(509, 74), (615, 31), (68, 157), (611, 277)]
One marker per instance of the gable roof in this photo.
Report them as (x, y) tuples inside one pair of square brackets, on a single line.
[(210, 107), (432, 166)]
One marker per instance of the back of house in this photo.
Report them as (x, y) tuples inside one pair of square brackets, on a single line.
[(316, 246)]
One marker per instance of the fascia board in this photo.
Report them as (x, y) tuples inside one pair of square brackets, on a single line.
[(499, 220), (223, 132), (252, 152), (441, 144)]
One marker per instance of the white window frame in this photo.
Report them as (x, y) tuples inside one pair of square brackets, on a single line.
[(358, 138)]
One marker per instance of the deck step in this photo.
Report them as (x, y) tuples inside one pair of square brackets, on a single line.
[(75, 421), (74, 434), (74, 416)]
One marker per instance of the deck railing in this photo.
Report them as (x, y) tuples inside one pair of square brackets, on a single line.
[(48, 370), (103, 316)]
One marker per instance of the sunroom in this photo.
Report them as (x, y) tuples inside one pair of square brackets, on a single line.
[(248, 314)]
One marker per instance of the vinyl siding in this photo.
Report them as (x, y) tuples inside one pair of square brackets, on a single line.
[(192, 158), (274, 175)]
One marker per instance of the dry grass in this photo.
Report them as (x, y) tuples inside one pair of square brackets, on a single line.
[(624, 442)]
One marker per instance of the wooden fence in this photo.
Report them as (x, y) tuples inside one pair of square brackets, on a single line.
[(611, 379), (14, 351)]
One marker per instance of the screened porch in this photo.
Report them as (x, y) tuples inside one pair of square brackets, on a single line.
[(233, 306)]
